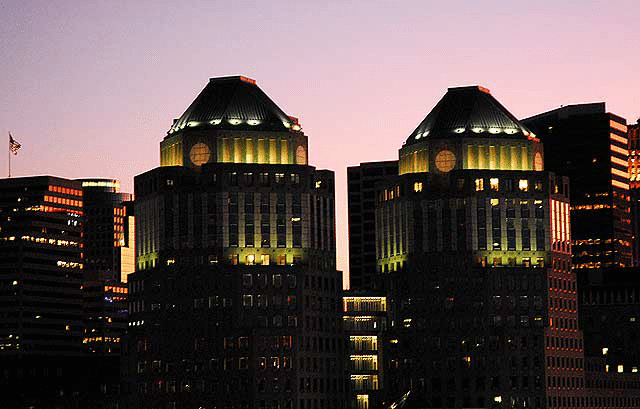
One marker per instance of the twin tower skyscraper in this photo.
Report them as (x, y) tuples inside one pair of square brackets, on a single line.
[(236, 301)]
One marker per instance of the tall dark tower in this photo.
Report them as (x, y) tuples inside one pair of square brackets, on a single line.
[(40, 291), (236, 297), (361, 184), (108, 234), (590, 146), (473, 236)]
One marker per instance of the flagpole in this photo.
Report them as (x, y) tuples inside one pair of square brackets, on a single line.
[(9, 150)]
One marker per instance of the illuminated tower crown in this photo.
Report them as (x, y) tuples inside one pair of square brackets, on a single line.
[(233, 121), (470, 129)]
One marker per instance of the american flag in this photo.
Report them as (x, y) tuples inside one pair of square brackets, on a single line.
[(13, 145)]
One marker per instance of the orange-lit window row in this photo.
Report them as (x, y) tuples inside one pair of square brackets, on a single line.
[(559, 221), (619, 150), (123, 290), (591, 207), (618, 126), (60, 200), (620, 139), (619, 161), (50, 209), (65, 190), (620, 185), (622, 174)]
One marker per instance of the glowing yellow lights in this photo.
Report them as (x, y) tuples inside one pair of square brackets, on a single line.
[(497, 399), (494, 130), (15, 282), (417, 187), (523, 185), (494, 184), (295, 219), (510, 131), (605, 351), (234, 121), (458, 130), (296, 127), (215, 122), (394, 341), (253, 122), (102, 183), (620, 368), (286, 124), (193, 123), (477, 130)]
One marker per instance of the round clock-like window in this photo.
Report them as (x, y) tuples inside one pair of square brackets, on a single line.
[(537, 162), (445, 160), (199, 154)]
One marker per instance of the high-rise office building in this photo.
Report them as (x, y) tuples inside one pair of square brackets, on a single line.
[(590, 146), (109, 240), (236, 301), (40, 291), (473, 238), (361, 181)]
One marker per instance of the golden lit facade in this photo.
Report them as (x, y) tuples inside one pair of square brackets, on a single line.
[(252, 129), (489, 139), (364, 320)]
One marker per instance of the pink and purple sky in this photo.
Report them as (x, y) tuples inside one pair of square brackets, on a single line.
[(89, 88)]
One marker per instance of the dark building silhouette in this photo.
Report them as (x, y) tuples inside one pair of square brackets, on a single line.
[(609, 316), (41, 275), (361, 182), (109, 254), (236, 301), (590, 146)]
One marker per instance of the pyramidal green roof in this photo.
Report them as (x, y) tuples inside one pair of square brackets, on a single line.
[(233, 103), (472, 111)]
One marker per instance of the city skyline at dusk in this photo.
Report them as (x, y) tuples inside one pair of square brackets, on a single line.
[(90, 90)]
